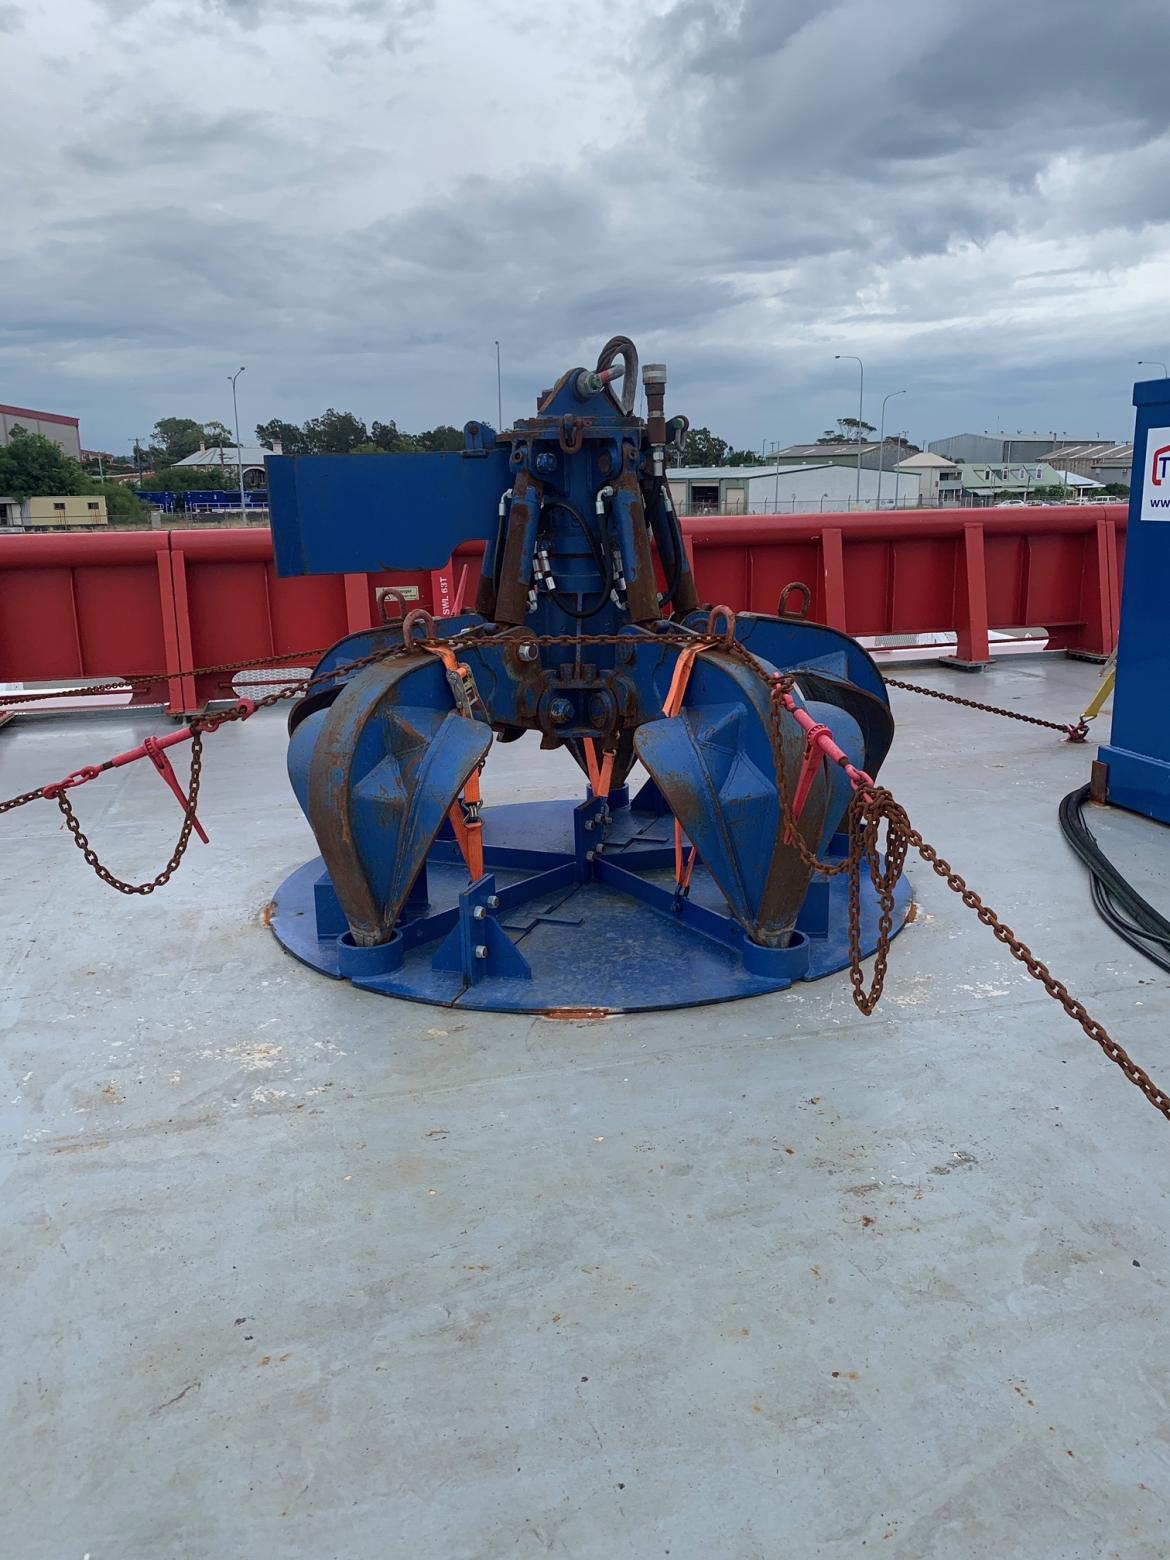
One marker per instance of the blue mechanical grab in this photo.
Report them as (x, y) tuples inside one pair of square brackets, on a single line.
[(588, 630)]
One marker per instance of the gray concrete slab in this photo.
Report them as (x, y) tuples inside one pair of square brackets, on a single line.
[(294, 1271)]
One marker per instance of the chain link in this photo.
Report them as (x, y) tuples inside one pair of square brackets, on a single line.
[(20, 801), (180, 850), (870, 808), (1074, 733), (136, 680), (874, 806)]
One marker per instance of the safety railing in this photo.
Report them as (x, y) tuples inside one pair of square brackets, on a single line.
[(75, 608)]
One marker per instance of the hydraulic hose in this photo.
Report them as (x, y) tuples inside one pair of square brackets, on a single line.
[(1115, 899), (601, 558)]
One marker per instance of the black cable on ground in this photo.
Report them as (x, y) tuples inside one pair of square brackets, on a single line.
[(1116, 900)]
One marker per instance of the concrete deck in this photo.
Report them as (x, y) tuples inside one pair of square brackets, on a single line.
[(294, 1272)]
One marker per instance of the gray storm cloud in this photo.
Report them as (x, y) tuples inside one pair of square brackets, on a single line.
[(357, 197)]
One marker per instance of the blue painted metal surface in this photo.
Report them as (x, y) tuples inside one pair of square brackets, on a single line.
[(1138, 752), (585, 605), (609, 941), (346, 513)]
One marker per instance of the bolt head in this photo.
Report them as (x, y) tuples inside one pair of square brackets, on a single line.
[(493, 902), (478, 913), (481, 950)]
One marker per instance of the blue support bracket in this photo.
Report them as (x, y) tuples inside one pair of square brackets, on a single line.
[(477, 946), (589, 820)]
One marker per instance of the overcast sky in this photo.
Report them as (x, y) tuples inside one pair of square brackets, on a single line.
[(354, 198)]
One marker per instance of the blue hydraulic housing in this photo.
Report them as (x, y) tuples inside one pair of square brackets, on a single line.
[(1137, 757), (589, 634)]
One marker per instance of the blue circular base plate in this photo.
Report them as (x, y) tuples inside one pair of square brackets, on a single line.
[(592, 948)]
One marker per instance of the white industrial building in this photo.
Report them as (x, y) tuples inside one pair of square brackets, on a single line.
[(249, 457), (787, 490)]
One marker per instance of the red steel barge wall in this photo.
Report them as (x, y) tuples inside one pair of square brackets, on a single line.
[(74, 607)]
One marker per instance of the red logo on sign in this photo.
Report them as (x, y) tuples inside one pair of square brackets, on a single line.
[(1158, 466)]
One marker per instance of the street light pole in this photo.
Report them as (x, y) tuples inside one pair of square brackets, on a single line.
[(499, 393), (882, 443), (1154, 363), (239, 451), (860, 410), (903, 439)]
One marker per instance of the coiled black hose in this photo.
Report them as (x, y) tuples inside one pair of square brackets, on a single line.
[(1116, 900)]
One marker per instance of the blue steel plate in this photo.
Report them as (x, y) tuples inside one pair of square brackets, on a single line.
[(590, 947)]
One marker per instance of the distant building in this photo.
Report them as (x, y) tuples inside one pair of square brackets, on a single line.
[(52, 425), (932, 472), (786, 490), (1102, 461), (251, 457), (834, 455), (66, 509), (984, 484), (995, 448)]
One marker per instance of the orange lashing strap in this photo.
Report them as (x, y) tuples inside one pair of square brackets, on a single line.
[(459, 677), (671, 705), (469, 830), (682, 873), (600, 771), (463, 813), (682, 675)]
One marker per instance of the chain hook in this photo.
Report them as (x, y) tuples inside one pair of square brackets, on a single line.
[(806, 601), (726, 638), (411, 621)]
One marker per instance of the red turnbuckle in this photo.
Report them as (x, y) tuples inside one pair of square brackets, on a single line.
[(810, 768), (154, 749), (820, 745)]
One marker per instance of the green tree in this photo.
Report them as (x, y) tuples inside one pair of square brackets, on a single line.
[(190, 479), (174, 438), (444, 437), (335, 433), (291, 438), (703, 448), (848, 431), (32, 466), (121, 503)]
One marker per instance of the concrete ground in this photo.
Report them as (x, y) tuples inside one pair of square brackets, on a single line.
[(294, 1272)]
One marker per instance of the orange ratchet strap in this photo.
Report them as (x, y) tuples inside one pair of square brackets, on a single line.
[(671, 706), (468, 826), (464, 812), (600, 773)]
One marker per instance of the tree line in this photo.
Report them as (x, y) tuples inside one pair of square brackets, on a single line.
[(32, 466)]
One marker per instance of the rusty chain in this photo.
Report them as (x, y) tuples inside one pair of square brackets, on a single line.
[(871, 807), (180, 850), (1074, 732), (20, 801), (135, 680)]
